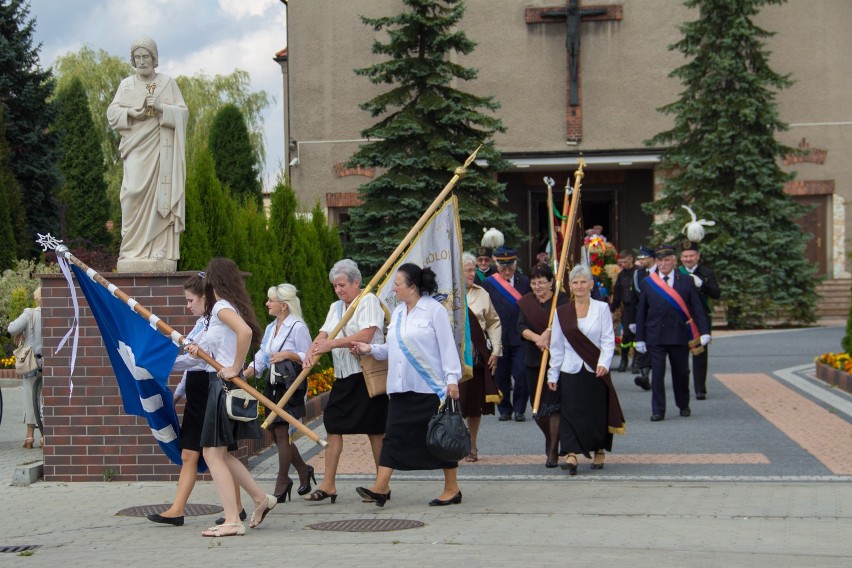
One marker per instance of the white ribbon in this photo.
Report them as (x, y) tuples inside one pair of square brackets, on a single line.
[(75, 326)]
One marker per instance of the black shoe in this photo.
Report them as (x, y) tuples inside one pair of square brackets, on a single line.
[(685, 412), (700, 396), (657, 417), (551, 464), (451, 501), (243, 516), (633, 367), (642, 382), (622, 366), (306, 488), (570, 467), (284, 495), (505, 417), (378, 498), (520, 417), (157, 518)]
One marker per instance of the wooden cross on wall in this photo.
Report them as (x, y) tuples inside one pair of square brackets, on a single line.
[(573, 14)]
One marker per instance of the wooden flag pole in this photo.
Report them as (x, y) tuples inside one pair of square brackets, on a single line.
[(560, 273), (459, 173), (177, 338)]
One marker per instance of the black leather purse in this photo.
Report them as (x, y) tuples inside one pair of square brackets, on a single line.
[(284, 373), (447, 436)]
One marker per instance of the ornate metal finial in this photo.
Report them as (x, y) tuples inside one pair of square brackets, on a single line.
[(549, 182), (462, 170), (48, 242)]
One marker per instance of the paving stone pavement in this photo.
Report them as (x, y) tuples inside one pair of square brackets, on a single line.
[(727, 486)]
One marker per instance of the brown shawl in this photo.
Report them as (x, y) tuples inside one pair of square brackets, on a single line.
[(590, 353), (480, 345)]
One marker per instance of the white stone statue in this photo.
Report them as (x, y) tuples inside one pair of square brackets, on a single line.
[(149, 113)]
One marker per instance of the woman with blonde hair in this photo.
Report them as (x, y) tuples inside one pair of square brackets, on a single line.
[(28, 326), (283, 347)]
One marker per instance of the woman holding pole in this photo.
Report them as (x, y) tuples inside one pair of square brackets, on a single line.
[(231, 329), (581, 349), (532, 325), (286, 339), (422, 352), (350, 410)]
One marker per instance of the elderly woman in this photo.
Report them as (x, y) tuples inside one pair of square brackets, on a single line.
[(478, 395), (28, 326), (532, 325), (350, 410), (286, 339), (581, 349), (424, 359)]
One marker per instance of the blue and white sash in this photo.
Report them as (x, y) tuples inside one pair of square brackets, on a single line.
[(419, 363)]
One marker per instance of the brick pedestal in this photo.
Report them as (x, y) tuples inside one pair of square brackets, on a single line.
[(88, 436)]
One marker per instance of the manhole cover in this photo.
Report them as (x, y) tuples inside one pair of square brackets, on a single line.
[(191, 510), (367, 525), (19, 547)]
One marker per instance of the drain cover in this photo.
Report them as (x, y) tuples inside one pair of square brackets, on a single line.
[(19, 548), (367, 525), (191, 510)]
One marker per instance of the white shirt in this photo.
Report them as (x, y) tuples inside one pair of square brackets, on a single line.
[(185, 362), (298, 341), (369, 313), (669, 278), (427, 331), (597, 326), (221, 339)]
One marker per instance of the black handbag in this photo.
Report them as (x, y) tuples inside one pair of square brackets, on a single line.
[(447, 436), (239, 404), (284, 373)]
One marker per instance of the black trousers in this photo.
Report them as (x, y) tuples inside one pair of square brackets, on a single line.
[(699, 372), (511, 366), (678, 356)]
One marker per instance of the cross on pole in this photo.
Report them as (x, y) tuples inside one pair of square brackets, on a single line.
[(573, 14)]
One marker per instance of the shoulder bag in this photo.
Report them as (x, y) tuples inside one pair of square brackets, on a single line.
[(240, 405), (447, 436), (25, 359), (375, 372), (284, 372)]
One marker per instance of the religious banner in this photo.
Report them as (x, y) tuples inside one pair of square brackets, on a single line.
[(438, 246)]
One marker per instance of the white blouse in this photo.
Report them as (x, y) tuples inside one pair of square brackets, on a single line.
[(597, 326), (369, 313), (428, 332), (221, 339), (298, 340)]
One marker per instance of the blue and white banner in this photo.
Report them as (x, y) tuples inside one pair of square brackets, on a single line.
[(142, 359)]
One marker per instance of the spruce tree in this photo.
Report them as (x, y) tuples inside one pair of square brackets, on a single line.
[(725, 159), (235, 158), (427, 130), (195, 250), (86, 208), (25, 91), (11, 214)]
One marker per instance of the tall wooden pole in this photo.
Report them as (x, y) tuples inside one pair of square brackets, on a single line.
[(560, 273), (459, 173)]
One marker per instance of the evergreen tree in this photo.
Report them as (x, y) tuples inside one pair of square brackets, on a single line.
[(429, 129), (726, 166), (235, 159), (25, 90), (195, 251), (84, 195), (11, 215)]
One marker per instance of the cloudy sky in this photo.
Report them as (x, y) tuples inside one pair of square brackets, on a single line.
[(214, 36)]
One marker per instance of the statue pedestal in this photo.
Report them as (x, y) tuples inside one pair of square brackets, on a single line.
[(146, 265)]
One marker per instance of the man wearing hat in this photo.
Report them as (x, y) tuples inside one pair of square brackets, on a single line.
[(705, 283), (642, 361), (669, 321), (484, 268), (623, 297), (505, 288)]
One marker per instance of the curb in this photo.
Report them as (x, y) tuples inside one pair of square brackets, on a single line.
[(27, 474)]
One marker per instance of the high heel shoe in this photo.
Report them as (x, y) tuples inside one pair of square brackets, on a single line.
[(378, 498), (306, 488), (599, 465), (571, 467), (284, 495)]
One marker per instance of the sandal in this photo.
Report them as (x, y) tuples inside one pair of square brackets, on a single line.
[(320, 495), (261, 511), (28, 443), (472, 457), (239, 530)]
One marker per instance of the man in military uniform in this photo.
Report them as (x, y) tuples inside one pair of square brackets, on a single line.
[(642, 361), (705, 283), (623, 297)]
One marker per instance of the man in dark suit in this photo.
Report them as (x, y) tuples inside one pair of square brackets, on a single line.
[(664, 329), (505, 289), (642, 361), (705, 283)]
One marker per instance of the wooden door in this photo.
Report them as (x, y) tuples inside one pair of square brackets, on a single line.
[(815, 223)]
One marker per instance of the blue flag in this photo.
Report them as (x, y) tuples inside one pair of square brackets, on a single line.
[(142, 359)]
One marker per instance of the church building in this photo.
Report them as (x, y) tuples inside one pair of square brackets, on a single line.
[(576, 79)]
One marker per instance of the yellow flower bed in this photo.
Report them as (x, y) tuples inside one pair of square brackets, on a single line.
[(320, 382), (842, 361), (7, 362)]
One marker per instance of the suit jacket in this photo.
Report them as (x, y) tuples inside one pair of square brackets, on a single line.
[(709, 287), (658, 323), (507, 310)]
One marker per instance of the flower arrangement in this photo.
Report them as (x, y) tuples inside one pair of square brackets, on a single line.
[(842, 361), (603, 263), (7, 362)]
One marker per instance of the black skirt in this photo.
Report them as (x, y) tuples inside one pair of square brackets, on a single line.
[(295, 407), (549, 402), (472, 394), (219, 430), (193, 411), (404, 445), (350, 410), (583, 417)]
